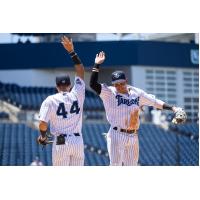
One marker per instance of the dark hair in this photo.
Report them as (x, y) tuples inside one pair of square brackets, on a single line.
[(63, 80)]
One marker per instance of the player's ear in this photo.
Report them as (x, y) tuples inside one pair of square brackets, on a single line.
[(57, 88), (69, 88)]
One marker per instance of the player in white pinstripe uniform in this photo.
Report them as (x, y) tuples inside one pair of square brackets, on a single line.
[(122, 104), (64, 113)]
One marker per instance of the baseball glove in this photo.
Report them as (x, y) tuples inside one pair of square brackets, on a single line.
[(43, 140), (179, 117)]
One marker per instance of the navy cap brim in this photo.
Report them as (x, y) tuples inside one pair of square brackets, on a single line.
[(118, 81)]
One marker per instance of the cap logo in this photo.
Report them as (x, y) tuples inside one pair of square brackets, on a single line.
[(117, 75)]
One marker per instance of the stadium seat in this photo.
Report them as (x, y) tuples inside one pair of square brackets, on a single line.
[(18, 146), (4, 115), (30, 98)]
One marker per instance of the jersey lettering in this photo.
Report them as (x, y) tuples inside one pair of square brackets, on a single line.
[(75, 108), (128, 102), (61, 109)]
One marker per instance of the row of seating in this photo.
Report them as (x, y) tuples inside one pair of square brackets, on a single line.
[(160, 147), (4, 115), (94, 159), (93, 135), (157, 147), (14, 88), (30, 98), (93, 115), (18, 147), (189, 129)]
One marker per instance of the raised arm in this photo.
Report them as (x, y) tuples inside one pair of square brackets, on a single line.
[(95, 72), (68, 45)]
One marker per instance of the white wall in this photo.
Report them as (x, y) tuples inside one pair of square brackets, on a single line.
[(37, 77), (138, 77), (139, 80), (31, 77), (46, 78)]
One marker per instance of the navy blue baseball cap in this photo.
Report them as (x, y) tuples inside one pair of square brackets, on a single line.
[(118, 77), (63, 80)]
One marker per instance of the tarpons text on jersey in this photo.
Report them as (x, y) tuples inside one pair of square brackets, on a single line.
[(128, 102)]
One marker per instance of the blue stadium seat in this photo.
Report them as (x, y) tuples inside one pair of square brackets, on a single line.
[(2, 135), (92, 135), (4, 115), (6, 145), (95, 159), (157, 147), (30, 98)]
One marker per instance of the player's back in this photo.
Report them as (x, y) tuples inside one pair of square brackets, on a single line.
[(66, 113), (64, 109)]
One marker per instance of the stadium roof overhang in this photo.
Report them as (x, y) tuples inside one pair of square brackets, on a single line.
[(118, 53)]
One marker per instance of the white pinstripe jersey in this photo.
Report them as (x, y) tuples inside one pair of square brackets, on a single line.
[(64, 110), (119, 106)]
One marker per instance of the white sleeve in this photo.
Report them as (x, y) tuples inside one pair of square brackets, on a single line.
[(45, 111), (150, 100), (79, 87), (105, 91)]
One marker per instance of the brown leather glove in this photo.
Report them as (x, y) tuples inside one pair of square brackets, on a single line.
[(42, 140)]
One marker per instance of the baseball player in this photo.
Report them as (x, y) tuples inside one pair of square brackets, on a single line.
[(122, 104), (63, 111)]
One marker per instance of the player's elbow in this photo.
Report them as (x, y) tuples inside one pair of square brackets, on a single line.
[(95, 86), (92, 83), (80, 72)]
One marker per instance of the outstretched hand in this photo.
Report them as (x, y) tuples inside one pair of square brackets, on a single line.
[(180, 116), (100, 58), (67, 43)]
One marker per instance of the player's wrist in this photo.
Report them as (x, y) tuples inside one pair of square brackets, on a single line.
[(75, 58), (167, 107), (72, 53), (96, 65), (96, 68), (43, 133)]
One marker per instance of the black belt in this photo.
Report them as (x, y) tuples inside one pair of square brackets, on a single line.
[(125, 130), (60, 140), (65, 135)]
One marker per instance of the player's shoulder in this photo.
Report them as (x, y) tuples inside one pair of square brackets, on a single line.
[(135, 90), (113, 89), (108, 88), (47, 102), (51, 97), (79, 81)]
